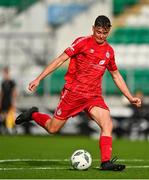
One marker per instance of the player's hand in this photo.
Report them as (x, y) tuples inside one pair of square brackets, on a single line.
[(136, 101), (33, 85)]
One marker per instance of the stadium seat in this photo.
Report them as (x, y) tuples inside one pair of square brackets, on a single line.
[(141, 80), (110, 87), (57, 81), (140, 19), (129, 35), (59, 14), (121, 5), (18, 4)]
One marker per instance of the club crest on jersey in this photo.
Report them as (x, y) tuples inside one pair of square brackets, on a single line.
[(92, 50), (59, 112), (107, 54), (102, 62)]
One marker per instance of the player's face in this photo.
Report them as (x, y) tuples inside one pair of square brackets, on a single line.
[(100, 34)]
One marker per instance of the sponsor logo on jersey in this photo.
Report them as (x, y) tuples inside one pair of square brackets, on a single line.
[(92, 50), (59, 112), (102, 62), (107, 54)]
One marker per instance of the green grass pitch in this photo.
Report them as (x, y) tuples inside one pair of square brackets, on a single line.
[(47, 157)]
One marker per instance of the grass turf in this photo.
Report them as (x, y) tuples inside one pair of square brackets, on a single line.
[(47, 158)]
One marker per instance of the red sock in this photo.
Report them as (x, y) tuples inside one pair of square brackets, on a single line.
[(105, 148), (40, 118)]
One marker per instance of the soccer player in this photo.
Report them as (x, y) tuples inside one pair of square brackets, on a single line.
[(89, 57), (8, 95)]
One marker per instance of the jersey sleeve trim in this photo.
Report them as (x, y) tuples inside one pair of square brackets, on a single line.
[(76, 46), (69, 51)]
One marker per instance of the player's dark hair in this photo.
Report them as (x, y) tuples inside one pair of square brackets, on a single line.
[(102, 21)]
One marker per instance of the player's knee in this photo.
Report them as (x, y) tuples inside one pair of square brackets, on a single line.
[(54, 126), (53, 130), (110, 126)]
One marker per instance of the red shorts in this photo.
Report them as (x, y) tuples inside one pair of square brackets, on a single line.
[(72, 103)]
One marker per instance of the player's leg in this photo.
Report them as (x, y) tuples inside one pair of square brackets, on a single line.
[(10, 120), (52, 125), (3, 120), (102, 118)]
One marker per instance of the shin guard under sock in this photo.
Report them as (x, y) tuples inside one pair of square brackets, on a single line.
[(105, 143), (40, 118)]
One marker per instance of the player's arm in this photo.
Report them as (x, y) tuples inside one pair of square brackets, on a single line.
[(57, 62), (119, 81)]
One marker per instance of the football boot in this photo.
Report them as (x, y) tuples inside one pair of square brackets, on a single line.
[(26, 116), (110, 165)]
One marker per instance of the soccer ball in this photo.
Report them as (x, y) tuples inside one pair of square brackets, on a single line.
[(81, 159)]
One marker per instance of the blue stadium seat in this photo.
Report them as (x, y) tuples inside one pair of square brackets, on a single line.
[(59, 14)]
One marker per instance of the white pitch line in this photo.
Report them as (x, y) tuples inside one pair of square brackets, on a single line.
[(58, 168), (133, 160), (137, 166), (35, 168), (131, 167), (27, 160), (62, 160), (58, 160)]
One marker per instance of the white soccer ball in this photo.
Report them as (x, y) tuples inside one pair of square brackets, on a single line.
[(81, 159)]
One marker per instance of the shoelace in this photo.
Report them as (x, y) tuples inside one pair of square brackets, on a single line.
[(114, 159)]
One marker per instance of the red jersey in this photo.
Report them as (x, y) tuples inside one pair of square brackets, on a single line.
[(88, 62)]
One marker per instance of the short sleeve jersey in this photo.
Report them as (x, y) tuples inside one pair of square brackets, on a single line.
[(88, 62)]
